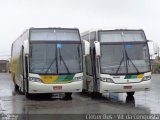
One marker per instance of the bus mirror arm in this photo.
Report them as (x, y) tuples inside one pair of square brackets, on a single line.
[(97, 48), (149, 40)]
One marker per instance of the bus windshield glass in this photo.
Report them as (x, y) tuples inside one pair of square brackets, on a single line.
[(126, 53), (55, 58)]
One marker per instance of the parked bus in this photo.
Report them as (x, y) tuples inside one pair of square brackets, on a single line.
[(47, 60), (118, 62)]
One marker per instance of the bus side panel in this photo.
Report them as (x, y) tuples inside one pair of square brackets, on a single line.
[(16, 62)]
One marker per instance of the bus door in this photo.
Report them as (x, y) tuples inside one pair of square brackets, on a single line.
[(21, 72)]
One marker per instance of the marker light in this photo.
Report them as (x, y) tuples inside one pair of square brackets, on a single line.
[(34, 79), (78, 78), (107, 80), (145, 78)]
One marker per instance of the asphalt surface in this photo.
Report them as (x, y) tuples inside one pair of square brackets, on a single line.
[(144, 102)]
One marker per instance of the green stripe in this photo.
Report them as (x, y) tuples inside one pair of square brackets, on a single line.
[(64, 78), (130, 76), (69, 77)]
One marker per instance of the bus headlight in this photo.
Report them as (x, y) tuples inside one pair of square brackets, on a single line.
[(78, 78), (107, 80), (145, 78), (34, 79)]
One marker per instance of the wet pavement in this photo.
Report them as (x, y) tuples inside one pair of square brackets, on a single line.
[(145, 102)]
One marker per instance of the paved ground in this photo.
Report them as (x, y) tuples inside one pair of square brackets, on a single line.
[(114, 103)]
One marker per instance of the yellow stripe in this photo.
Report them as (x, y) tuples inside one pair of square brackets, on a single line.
[(48, 78), (140, 76)]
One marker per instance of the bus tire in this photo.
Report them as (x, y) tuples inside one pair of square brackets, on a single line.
[(28, 95), (21, 89), (130, 93), (16, 87), (68, 95), (96, 95), (84, 91), (46, 95)]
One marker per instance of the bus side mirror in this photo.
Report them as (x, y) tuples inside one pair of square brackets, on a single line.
[(86, 47), (97, 48)]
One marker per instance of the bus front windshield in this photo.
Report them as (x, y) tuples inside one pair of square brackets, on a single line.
[(55, 58), (122, 59)]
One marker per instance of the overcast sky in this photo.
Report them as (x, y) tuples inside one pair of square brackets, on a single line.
[(18, 15)]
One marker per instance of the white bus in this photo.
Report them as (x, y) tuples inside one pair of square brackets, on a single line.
[(47, 60), (118, 62)]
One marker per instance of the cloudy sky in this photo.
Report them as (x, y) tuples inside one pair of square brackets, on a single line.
[(18, 15)]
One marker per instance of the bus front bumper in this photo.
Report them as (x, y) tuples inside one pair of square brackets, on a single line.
[(112, 87), (36, 87)]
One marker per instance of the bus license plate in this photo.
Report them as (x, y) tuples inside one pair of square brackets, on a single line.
[(127, 87), (57, 87)]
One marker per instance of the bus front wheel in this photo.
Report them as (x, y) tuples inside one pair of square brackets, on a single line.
[(130, 93), (28, 95), (16, 87), (21, 89), (96, 95), (68, 95)]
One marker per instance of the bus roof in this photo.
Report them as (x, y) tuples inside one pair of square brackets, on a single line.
[(109, 29)]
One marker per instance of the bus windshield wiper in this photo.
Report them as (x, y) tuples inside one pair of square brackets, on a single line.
[(54, 60), (50, 65), (120, 63), (125, 56), (61, 59), (128, 59)]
